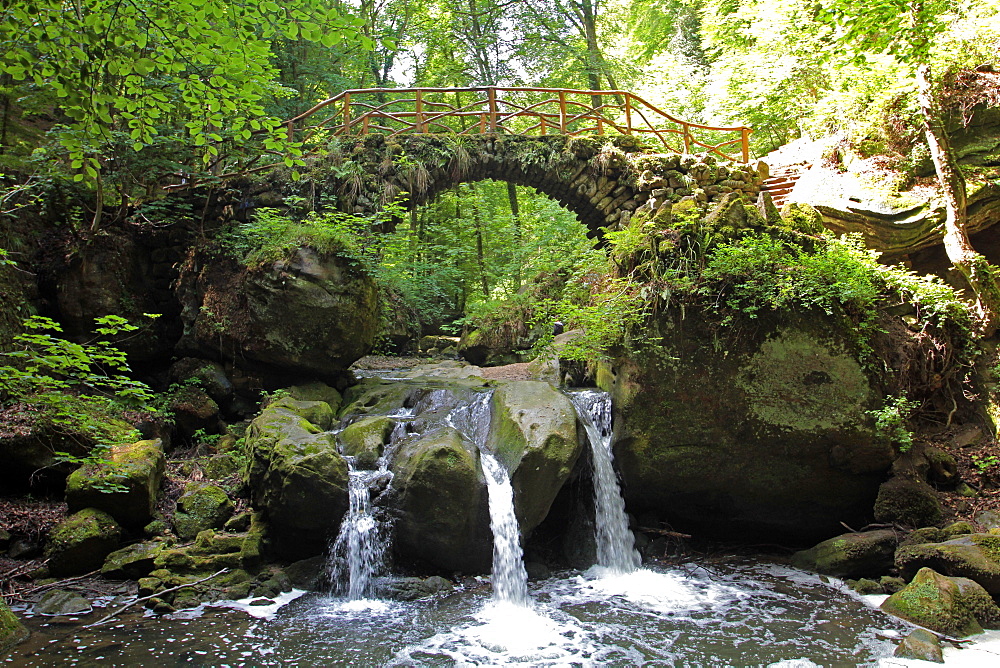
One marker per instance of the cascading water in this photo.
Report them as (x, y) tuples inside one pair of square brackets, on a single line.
[(615, 549), (510, 580)]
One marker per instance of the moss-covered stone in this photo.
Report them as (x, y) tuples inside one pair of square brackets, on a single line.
[(317, 391), (202, 506), (58, 602), (317, 412), (533, 433), (132, 562), (759, 428), (12, 631), (935, 602), (136, 467), (908, 502), (298, 479), (891, 584), (956, 529), (865, 586), (974, 556), (443, 507), (920, 645), (80, 543), (850, 555), (366, 439), (193, 410), (923, 535)]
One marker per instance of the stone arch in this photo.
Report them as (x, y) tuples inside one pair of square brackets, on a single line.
[(602, 179)]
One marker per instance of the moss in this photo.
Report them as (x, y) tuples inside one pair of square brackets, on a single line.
[(957, 529), (907, 502), (133, 471), (80, 543), (318, 413), (365, 439), (933, 601), (12, 631), (317, 391), (133, 561), (202, 506)]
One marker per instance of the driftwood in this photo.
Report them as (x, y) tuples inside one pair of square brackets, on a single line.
[(125, 607)]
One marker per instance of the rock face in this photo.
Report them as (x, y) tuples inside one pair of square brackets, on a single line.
[(756, 428), (309, 313), (80, 543), (533, 433), (953, 606), (850, 555), (136, 467), (298, 479), (975, 556), (443, 506)]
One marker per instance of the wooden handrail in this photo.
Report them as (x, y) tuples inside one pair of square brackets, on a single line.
[(411, 111)]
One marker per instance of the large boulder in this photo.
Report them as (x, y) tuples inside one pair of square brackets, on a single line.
[(533, 432), (903, 500), (974, 556), (851, 555), (80, 543), (202, 506), (298, 479), (757, 429), (365, 440), (443, 505), (124, 484), (311, 312), (954, 606)]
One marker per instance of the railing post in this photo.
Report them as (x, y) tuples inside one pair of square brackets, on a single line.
[(347, 113), (628, 113), (541, 127), (420, 113), (687, 138), (746, 144), (491, 93), (562, 111)]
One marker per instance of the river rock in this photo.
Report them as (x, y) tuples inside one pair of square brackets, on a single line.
[(443, 508), (12, 631), (319, 413), (974, 556), (80, 543), (953, 606), (298, 480), (850, 555), (920, 645), (759, 429), (124, 485), (310, 312), (57, 602), (132, 562), (534, 435), (202, 506), (366, 439), (317, 391)]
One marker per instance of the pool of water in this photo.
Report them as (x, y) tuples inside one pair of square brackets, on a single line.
[(737, 614)]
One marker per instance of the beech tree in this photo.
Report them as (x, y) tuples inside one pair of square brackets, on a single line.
[(907, 30)]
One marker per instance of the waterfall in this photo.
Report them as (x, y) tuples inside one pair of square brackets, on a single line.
[(510, 580), (615, 550), (358, 553)]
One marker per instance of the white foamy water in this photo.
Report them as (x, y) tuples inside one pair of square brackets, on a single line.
[(510, 580)]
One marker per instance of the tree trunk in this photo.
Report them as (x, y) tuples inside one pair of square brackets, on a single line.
[(515, 214), (973, 266)]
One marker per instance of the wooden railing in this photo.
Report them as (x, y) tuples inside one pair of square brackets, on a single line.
[(521, 111)]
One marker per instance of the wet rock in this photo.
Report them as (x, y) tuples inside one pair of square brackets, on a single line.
[(865, 586), (746, 442), (202, 506), (411, 588), (80, 543), (307, 573), (298, 479), (56, 602), (890, 584), (443, 511), (850, 555), (975, 556), (317, 391), (12, 631), (954, 606), (319, 413), (533, 433), (309, 312), (132, 562), (366, 439), (125, 485), (920, 645), (261, 601)]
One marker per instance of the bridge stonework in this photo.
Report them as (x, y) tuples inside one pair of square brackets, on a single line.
[(604, 180)]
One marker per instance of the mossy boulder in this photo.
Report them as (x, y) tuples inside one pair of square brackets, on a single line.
[(365, 440), (318, 412), (851, 555), (317, 391), (209, 375), (943, 604), (202, 506), (81, 542), (443, 506), (12, 631), (533, 433), (298, 480), (124, 485), (974, 556), (193, 410), (755, 430), (909, 502), (307, 312), (132, 562), (921, 645)]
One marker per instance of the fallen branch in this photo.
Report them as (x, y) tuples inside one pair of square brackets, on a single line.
[(125, 607), (53, 585), (664, 532)]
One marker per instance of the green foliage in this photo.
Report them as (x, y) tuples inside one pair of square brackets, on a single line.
[(891, 421)]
